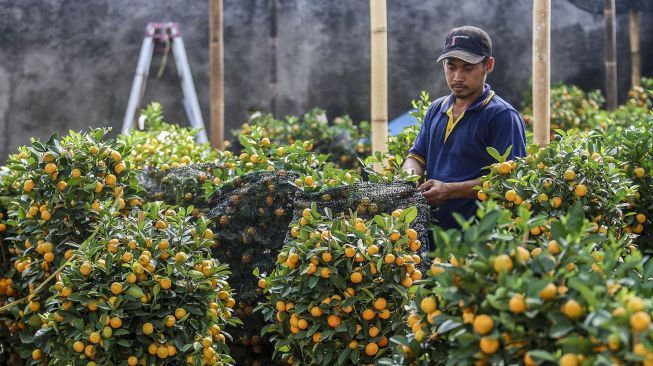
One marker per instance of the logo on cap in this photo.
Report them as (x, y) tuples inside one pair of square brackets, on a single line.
[(454, 38)]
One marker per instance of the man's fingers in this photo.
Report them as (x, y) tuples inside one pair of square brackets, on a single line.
[(426, 185)]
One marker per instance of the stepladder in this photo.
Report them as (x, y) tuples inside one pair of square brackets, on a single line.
[(157, 34)]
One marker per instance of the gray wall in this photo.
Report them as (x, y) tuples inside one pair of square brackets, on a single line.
[(68, 64)]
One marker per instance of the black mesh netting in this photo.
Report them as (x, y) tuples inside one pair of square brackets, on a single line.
[(180, 186), (623, 6), (369, 199), (251, 215)]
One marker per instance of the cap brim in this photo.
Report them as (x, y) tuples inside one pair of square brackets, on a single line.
[(469, 57)]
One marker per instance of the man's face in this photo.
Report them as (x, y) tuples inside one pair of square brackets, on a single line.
[(465, 79)]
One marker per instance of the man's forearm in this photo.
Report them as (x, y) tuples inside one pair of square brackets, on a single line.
[(464, 189), (413, 166)]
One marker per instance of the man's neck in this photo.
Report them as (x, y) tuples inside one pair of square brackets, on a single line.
[(465, 103)]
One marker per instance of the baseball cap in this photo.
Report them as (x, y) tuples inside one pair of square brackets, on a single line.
[(467, 43)]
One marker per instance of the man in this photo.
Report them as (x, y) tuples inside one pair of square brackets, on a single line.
[(450, 149)]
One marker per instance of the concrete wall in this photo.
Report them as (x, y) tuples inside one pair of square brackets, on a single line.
[(68, 64)]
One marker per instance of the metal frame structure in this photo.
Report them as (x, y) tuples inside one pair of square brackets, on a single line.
[(156, 33)]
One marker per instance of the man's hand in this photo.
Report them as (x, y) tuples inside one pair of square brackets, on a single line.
[(435, 192)]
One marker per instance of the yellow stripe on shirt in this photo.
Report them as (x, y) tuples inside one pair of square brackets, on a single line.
[(451, 124)]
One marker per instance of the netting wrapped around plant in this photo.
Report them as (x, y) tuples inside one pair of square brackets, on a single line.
[(251, 214), (369, 199), (180, 186)]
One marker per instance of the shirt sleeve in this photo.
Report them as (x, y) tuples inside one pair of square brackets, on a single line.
[(508, 129), (419, 151)]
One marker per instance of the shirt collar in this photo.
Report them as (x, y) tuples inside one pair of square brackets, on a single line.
[(478, 103)]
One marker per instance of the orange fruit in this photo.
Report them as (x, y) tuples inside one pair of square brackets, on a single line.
[(371, 349), (28, 185), (372, 249), (115, 322), (553, 247), (572, 309), (356, 277), (78, 346), (148, 328), (517, 304), (166, 283), (428, 305), (548, 292), (373, 331), (640, 321), (94, 337), (569, 174), (316, 311), (380, 303), (411, 234), (580, 190), (368, 314), (389, 258), (50, 168), (180, 313), (639, 172), (116, 288), (86, 268), (504, 168), (489, 345), (333, 321), (349, 251), (110, 180), (483, 324), (569, 359), (132, 361), (502, 263), (510, 195), (528, 360)]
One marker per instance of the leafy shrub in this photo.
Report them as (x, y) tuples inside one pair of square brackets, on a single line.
[(496, 296), (340, 285), (142, 289)]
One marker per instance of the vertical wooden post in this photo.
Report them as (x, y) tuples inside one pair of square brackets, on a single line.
[(272, 41), (379, 74), (216, 57), (542, 71), (610, 54), (635, 65)]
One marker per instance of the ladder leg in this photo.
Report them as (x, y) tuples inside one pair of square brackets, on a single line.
[(138, 86), (190, 95)]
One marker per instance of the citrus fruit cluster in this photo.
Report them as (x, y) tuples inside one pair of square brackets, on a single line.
[(578, 167), (163, 145), (490, 297), (340, 286), (341, 139), (142, 290)]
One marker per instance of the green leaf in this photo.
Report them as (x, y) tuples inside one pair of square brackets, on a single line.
[(494, 153)]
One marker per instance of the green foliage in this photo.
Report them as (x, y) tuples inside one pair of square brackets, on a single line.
[(571, 107), (576, 167), (340, 286), (399, 145), (163, 145), (494, 295), (156, 294), (341, 139)]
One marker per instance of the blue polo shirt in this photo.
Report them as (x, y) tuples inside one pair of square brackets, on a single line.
[(462, 156)]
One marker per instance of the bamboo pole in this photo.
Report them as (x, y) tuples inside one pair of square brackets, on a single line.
[(216, 57), (610, 54), (379, 74), (542, 71), (635, 62)]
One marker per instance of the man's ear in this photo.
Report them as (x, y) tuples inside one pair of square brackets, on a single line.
[(489, 65)]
